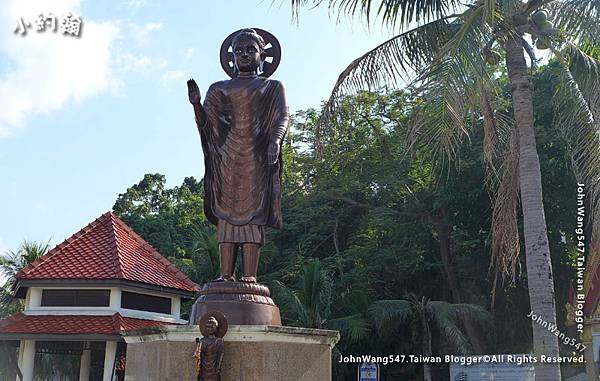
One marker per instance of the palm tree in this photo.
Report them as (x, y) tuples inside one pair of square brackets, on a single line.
[(424, 314), (453, 49), (310, 305), (204, 253), (10, 264)]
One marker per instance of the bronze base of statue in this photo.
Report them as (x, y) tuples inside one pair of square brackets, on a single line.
[(241, 303)]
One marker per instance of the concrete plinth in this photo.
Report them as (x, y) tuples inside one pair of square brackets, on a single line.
[(251, 353)]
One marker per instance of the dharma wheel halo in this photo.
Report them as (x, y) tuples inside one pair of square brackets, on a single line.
[(272, 52), (221, 320)]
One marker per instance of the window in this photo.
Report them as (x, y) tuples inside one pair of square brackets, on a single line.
[(143, 302), (75, 298)]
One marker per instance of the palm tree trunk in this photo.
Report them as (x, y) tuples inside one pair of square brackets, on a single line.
[(539, 266)]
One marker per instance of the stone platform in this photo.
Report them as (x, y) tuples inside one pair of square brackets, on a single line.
[(252, 352)]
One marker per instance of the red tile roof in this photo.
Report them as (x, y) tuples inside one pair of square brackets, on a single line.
[(108, 249), (72, 324)]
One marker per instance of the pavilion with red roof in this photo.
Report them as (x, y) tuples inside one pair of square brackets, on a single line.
[(81, 295)]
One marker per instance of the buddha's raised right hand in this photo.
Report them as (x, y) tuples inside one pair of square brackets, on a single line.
[(193, 92)]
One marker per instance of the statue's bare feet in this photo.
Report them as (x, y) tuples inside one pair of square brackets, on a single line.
[(225, 278), (248, 279)]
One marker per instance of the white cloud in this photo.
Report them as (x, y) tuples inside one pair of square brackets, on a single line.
[(48, 69), (140, 33), (172, 76)]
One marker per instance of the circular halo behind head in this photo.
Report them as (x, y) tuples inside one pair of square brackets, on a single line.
[(272, 51), (221, 320)]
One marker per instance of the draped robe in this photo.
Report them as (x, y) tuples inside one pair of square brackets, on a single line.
[(243, 115), (210, 355)]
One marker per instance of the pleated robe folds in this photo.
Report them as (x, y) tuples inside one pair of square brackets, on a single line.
[(242, 191)]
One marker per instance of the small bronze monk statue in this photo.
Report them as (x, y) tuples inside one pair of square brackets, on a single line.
[(209, 352), (242, 124)]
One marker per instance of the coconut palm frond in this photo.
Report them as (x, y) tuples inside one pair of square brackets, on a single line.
[(577, 104), (447, 316), (507, 6), (447, 48), (315, 291), (12, 262), (491, 11), (464, 47), (477, 313), (292, 305), (391, 312), (449, 83), (390, 62), (353, 328), (393, 13), (29, 251), (446, 321), (204, 250), (9, 265), (310, 303), (439, 123), (583, 61), (6, 295), (579, 19)]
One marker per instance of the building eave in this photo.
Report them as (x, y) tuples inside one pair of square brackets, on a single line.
[(61, 337)]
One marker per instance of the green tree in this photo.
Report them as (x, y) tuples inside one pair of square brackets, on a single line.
[(10, 264), (377, 223), (310, 304), (170, 219), (165, 217), (425, 314), (454, 51)]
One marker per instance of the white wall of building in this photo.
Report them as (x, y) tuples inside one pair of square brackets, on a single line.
[(34, 307)]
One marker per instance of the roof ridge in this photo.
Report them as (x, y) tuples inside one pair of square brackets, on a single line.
[(117, 245), (117, 321), (64, 244), (154, 253)]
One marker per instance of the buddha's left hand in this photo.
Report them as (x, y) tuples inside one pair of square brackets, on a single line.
[(273, 153)]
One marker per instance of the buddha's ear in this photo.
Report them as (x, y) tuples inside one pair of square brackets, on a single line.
[(263, 55)]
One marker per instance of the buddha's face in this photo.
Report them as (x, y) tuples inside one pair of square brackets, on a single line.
[(247, 54), (211, 327)]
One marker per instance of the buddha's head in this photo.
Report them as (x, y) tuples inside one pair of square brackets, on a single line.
[(211, 326), (248, 51)]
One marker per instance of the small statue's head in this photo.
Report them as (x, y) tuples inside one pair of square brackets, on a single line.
[(248, 51), (211, 325)]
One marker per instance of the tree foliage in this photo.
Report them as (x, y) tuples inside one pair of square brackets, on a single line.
[(369, 220)]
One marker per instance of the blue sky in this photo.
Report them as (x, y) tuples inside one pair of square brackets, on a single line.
[(83, 119)]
